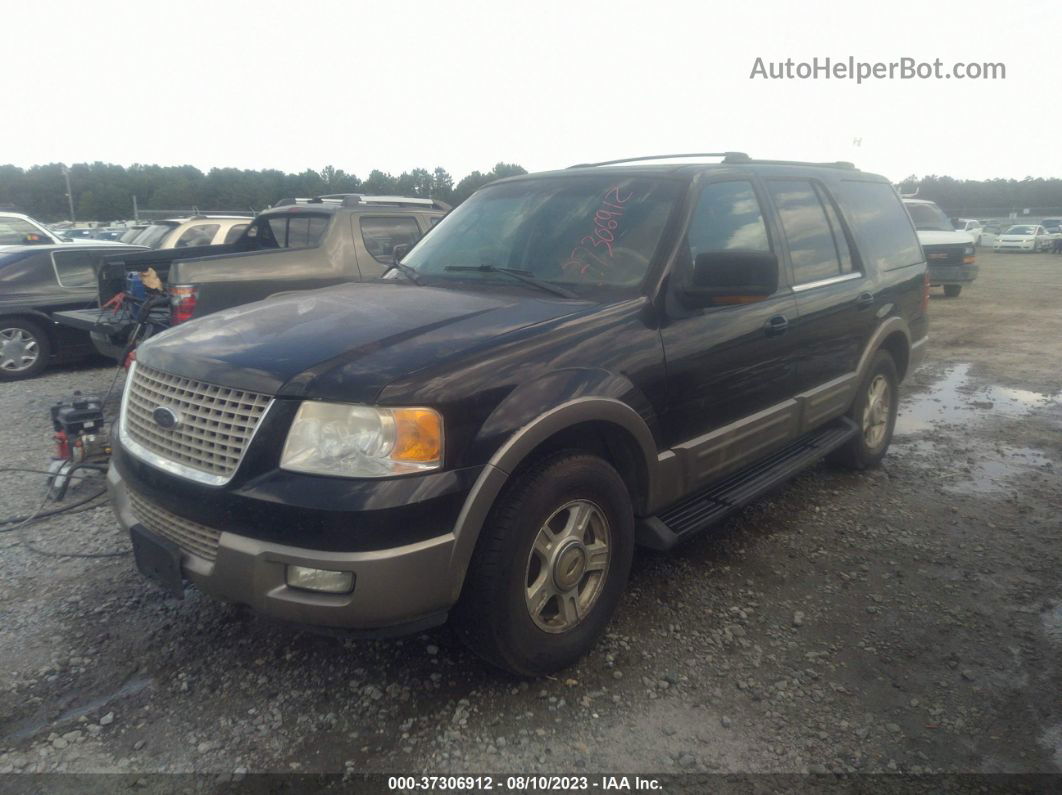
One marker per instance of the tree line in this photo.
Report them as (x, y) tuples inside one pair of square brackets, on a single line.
[(990, 197), (104, 191)]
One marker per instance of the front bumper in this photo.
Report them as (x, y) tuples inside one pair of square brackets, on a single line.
[(400, 589), (952, 274)]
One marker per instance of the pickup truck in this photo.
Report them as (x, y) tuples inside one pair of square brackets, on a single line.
[(298, 244)]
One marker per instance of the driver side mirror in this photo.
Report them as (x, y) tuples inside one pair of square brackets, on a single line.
[(734, 276), (399, 251)]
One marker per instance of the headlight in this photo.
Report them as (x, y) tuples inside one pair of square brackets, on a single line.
[(968, 251), (362, 441)]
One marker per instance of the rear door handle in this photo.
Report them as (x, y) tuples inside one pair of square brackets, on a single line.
[(865, 301), (776, 326)]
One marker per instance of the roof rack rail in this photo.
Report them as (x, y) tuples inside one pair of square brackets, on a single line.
[(731, 157), (728, 158), (831, 164), (358, 199)]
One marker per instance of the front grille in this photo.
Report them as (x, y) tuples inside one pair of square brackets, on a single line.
[(191, 537), (215, 423), (945, 255)]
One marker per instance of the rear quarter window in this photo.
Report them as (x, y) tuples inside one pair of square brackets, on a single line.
[(880, 225)]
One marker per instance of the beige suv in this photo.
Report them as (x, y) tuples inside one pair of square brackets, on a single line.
[(197, 230)]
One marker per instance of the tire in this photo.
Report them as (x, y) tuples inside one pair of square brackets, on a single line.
[(866, 450), (511, 565), (952, 290), (24, 349)]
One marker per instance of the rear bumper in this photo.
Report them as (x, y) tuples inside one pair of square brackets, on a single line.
[(952, 274), (396, 590)]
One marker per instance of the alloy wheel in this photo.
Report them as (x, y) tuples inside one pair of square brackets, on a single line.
[(567, 566), (876, 412), (19, 349)]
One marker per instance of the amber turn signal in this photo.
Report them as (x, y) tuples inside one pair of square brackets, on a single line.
[(418, 436)]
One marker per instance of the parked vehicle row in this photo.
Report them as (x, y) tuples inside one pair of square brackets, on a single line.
[(298, 244), (568, 365)]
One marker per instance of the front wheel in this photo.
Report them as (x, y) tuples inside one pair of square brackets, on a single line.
[(550, 566), (874, 412), (24, 349)]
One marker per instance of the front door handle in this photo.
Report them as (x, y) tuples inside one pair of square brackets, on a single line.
[(776, 326), (865, 301)]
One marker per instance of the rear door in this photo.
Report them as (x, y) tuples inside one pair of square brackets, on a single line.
[(730, 368)]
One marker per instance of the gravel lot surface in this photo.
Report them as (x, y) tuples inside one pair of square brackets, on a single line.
[(906, 619)]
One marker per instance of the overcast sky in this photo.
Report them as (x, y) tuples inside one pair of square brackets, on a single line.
[(464, 84)]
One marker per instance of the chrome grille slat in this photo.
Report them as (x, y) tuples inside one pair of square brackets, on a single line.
[(216, 422), (191, 537)]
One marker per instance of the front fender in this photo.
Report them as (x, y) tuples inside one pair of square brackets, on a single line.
[(523, 426)]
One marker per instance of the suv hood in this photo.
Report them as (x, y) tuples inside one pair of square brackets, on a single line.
[(346, 342)]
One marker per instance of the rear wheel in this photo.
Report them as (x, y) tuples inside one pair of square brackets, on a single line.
[(874, 412), (952, 290), (550, 566), (24, 349)]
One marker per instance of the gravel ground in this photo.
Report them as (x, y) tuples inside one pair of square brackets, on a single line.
[(906, 619)]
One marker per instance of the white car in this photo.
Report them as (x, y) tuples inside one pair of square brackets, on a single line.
[(17, 229), (198, 230), (1023, 237), (970, 226)]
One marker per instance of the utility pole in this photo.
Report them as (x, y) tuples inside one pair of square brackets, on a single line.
[(136, 212), (69, 194)]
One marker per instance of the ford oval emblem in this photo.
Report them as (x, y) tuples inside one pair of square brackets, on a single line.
[(166, 417)]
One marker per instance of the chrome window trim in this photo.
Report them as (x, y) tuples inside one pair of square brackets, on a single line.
[(172, 467), (844, 277)]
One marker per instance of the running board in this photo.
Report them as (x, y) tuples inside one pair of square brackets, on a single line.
[(713, 503)]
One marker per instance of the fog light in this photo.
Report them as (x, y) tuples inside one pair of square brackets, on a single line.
[(321, 580)]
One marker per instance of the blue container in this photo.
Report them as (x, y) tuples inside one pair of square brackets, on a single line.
[(134, 286)]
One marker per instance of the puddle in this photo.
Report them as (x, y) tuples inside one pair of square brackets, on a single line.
[(954, 400), (984, 468)]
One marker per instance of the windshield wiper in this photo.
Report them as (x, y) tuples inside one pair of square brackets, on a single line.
[(523, 276), (405, 270)]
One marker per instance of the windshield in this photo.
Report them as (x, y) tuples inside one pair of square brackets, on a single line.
[(15, 232), (928, 218), (599, 230), (152, 236), (1021, 230), (130, 234)]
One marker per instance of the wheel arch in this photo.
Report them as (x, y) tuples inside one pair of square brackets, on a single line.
[(601, 425), (894, 337)]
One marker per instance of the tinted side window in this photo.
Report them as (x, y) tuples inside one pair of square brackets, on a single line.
[(234, 233), (881, 227), (291, 231), (74, 269), (198, 235), (811, 243), (727, 216), (840, 240), (381, 235)]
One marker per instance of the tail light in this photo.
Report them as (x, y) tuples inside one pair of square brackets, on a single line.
[(925, 292), (182, 302)]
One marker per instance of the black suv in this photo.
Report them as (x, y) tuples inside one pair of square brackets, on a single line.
[(569, 364)]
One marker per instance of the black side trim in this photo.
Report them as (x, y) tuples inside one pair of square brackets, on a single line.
[(710, 505)]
